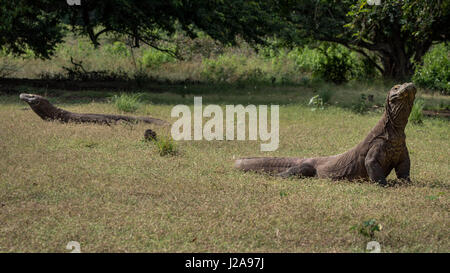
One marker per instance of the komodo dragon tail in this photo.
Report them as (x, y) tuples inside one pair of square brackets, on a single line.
[(266, 164)]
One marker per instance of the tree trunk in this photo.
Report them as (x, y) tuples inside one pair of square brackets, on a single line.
[(398, 67), (396, 62)]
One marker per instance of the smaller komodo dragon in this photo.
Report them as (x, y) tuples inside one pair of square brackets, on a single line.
[(47, 111), (382, 150)]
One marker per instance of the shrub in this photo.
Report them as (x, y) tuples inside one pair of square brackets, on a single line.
[(325, 95), (306, 59), (127, 102), (362, 68), (253, 76), (336, 65), (165, 145), (435, 71), (118, 49), (416, 116), (361, 106), (154, 58), (222, 69), (7, 67), (368, 228)]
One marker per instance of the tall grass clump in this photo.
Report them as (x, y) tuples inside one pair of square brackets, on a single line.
[(326, 95), (127, 102), (435, 71), (165, 146), (416, 116)]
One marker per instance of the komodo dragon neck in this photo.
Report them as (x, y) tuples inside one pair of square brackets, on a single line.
[(389, 127), (48, 111)]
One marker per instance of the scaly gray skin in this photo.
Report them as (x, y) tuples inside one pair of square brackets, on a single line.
[(382, 150), (47, 111)]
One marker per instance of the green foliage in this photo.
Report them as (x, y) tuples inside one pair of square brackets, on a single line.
[(166, 146), (435, 71), (368, 228), (7, 66), (418, 23), (306, 59), (31, 26), (335, 66), (286, 66), (117, 49), (222, 69), (41, 24), (363, 68), (392, 34), (153, 58), (361, 106), (435, 197), (416, 115), (326, 95), (127, 102)]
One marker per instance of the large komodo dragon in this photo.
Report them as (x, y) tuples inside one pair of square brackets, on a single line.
[(47, 111), (382, 150)]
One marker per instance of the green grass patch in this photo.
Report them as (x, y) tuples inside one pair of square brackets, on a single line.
[(127, 102), (165, 145), (416, 116)]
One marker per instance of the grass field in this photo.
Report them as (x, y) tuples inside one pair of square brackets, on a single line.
[(106, 188)]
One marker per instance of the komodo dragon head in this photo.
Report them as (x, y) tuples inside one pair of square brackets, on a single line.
[(40, 105), (32, 99), (400, 102)]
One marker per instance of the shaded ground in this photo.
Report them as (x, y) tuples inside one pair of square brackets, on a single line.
[(437, 113)]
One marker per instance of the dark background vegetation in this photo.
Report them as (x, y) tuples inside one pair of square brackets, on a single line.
[(397, 40)]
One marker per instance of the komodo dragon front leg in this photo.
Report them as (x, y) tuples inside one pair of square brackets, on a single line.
[(373, 162), (403, 167)]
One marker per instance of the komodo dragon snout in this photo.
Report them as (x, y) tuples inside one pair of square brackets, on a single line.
[(31, 99), (383, 149)]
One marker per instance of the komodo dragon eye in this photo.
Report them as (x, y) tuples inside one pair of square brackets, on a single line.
[(395, 94)]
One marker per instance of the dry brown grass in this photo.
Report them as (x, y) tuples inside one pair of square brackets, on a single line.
[(107, 189)]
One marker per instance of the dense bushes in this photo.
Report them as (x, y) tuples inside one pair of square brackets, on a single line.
[(335, 66), (205, 60), (338, 64), (286, 66), (435, 71)]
